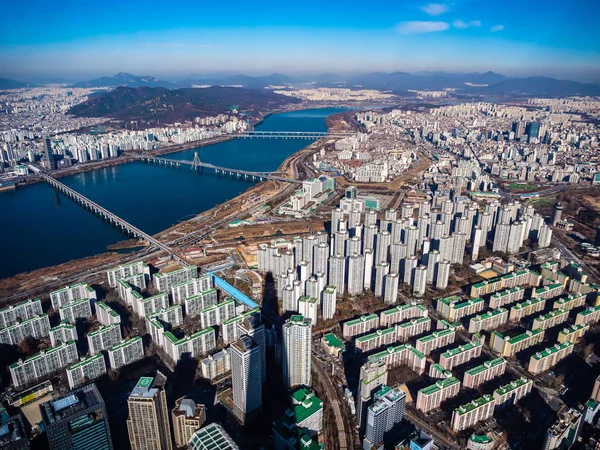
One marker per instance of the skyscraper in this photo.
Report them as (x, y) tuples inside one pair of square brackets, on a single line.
[(556, 213), (77, 420), (187, 416), (372, 375), (382, 415), (50, 163), (337, 272), (356, 273), (246, 378), (148, 423), (252, 326), (297, 351)]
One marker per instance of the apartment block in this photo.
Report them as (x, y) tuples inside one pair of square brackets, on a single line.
[(438, 372), (484, 372), (197, 344), (572, 333), (488, 321), (63, 332), (126, 270), (435, 340), (453, 309), (589, 316), (549, 291), (190, 287), (104, 338), (106, 315), (230, 329), (508, 347), (80, 309), (506, 297), (361, 325), (173, 315), (468, 415), (431, 397), (548, 358), (527, 308), (195, 304), (128, 292), (413, 327), (86, 370), (401, 313), (570, 302), (37, 327), (524, 277), (39, 366), (216, 366), (217, 314), (164, 281), (23, 311), (71, 294), (553, 318), (461, 354), (375, 340), (404, 354), (511, 393), (126, 352), (145, 306)]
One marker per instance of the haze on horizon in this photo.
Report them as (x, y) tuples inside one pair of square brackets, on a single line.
[(83, 40)]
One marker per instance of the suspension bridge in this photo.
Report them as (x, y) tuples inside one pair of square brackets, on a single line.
[(290, 135)]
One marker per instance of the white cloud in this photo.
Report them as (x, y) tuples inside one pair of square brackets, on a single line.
[(497, 28), (419, 27), (462, 24), (435, 9)]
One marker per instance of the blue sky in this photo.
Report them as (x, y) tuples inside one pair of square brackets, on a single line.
[(88, 38)]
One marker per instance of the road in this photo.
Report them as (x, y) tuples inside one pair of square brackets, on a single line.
[(439, 437)]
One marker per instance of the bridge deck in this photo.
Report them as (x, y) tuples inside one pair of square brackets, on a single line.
[(129, 227), (264, 175)]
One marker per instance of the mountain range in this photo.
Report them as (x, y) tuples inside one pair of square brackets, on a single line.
[(171, 105), (5, 83)]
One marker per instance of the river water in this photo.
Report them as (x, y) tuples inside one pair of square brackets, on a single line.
[(40, 228)]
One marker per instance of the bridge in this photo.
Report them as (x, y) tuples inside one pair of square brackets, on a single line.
[(196, 164), (106, 214), (289, 135)]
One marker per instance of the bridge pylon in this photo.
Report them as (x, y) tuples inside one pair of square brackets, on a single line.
[(196, 162)]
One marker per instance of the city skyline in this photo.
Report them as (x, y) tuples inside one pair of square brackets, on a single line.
[(515, 39)]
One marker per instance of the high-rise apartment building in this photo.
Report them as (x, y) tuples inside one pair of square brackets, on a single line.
[(297, 351), (246, 378), (148, 423), (188, 416)]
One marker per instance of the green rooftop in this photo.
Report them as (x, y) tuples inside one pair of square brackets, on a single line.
[(526, 335), (552, 350), (144, 382), (333, 341), (485, 366), (512, 385), (477, 403), (439, 385)]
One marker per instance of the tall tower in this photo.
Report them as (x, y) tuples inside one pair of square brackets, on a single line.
[(246, 377), (148, 423), (556, 213), (50, 163), (372, 376), (77, 421), (252, 327), (297, 351)]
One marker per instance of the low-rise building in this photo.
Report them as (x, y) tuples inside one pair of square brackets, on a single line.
[(488, 321), (466, 416), (332, 344), (511, 393), (39, 366), (461, 354), (86, 370), (453, 309), (508, 347), (553, 318), (106, 315), (572, 333), (413, 327), (526, 308), (431, 397), (126, 352), (484, 372), (361, 325), (404, 354), (548, 358), (435, 340)]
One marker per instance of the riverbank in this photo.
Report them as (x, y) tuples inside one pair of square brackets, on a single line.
[(245, 205)]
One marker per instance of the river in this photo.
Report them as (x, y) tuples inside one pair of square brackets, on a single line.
[(41, 228)]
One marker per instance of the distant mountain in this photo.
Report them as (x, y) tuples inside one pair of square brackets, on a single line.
[(5, 83), (246, 81), (177, 104), (123, 79), (542, 86)]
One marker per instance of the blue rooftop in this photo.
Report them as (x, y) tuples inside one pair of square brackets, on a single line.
[(235, 293)]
